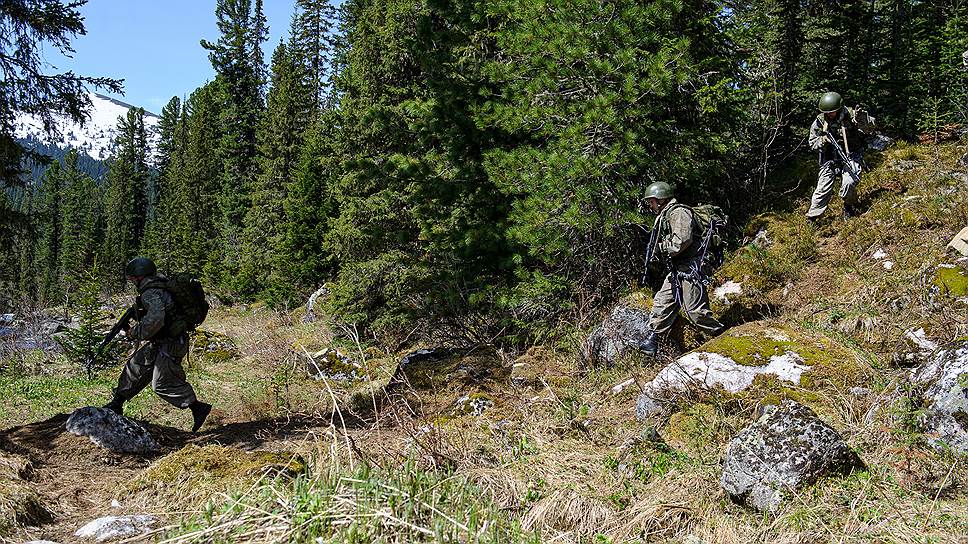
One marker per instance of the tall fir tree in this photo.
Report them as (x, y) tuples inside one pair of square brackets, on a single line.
[(80, 224), (127, 196), (280, 139), (169, 144), (238, 76), (312, 43), (50, 234)]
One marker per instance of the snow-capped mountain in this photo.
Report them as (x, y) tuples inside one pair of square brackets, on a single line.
[(95, 136)]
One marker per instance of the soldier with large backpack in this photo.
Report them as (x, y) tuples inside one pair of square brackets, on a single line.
[(166, 310), (690, 243)]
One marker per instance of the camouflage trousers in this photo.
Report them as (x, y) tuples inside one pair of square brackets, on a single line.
[(694, 300), (826, 180), (159, 364)]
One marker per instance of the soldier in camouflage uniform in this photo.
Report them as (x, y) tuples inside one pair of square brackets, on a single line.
[(845, 124), (678, 243), (159, 361)]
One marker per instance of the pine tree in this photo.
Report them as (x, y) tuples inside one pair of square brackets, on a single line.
[(50, 235), (81, 344), (280, 140), (157, 233), (312, 44), (126, 198), (232, 57), (80, 217)]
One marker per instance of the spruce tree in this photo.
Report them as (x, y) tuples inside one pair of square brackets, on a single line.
[(50, 210), (238, 77), (280, 140), (126, 198), (80, 219)]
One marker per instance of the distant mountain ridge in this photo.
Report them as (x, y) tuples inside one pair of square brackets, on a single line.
[(95, 136)]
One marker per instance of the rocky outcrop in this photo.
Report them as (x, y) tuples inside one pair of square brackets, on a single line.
[(788, 448), (708, 372), (331, 364), (116, 527), (111, 431), (944, 379), (757, 352), (619, 335)]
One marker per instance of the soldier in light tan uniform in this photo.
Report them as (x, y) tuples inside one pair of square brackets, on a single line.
[(159, 361), (848, 126), (677, 242)]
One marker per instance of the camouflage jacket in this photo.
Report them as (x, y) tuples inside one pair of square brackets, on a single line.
[(677, 230), (154, 304), (848, 120)]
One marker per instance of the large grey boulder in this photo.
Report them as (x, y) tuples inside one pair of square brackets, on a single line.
[(622, 332), (944, 379), (111, 431), (116, 527), (787, 449), (880, 142)]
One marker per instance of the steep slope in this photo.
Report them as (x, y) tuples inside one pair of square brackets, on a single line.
[(93, 137)]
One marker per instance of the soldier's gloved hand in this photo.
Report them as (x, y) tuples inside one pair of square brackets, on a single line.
[(665, 246)]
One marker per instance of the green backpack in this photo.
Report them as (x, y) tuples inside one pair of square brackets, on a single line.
[(190, 307), (712, 223)]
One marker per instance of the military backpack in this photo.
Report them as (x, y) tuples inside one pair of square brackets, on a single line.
[(710, 231), (190, 307)]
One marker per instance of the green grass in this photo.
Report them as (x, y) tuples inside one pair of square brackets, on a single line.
[(406, 504)]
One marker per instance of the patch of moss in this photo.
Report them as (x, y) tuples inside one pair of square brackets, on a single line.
[(952, 281), (202, 470), (753, 344), (213, 346), (695, 430)]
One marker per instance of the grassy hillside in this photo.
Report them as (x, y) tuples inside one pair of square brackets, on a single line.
[(492, 446)]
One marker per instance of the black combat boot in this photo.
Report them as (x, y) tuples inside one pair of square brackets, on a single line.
[(850, 211), (116, 405), (200, 411), (650, 346)]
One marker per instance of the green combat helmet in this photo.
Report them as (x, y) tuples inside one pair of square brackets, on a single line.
[(830, 102), (659, 190), (140, 266)]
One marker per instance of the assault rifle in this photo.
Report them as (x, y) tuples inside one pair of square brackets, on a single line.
[(123, 324), (848, 164)]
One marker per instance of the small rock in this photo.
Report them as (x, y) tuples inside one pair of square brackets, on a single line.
[(729, 288), (762, 239), (957, 176), (860, 391), (116, 527), (920, 339), (111, 431), (901, 166), (879, 142), (960, 242), (963, 161), (622, 332), (617, 389), (888, 265), (788, 448), (946, 396), (880, 254), (693, 539), (331, 364), (474, 405)]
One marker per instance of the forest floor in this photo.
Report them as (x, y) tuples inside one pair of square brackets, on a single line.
[(495, 446)]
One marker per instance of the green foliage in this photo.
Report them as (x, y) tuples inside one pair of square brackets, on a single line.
[(405, 504), (80, 345)]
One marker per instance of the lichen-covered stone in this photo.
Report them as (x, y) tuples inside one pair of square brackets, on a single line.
[(439, 368), (622, 332), (111, 431), (788, 448), (951, 280), (945, 381), (116, 527), (331, 364), (709, 372)]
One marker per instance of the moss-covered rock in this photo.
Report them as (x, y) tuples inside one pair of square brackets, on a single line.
[(213, 346), (20, 504), (952, 280), (200, 471), (761, 361)]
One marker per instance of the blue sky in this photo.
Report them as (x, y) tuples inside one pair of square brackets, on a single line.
[(153, 45)]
